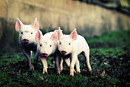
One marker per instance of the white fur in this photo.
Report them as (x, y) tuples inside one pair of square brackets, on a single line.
[(45, 41), (48, 46), (28, 32), (74, 47)]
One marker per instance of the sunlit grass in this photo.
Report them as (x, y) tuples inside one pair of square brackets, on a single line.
[(124, 3)]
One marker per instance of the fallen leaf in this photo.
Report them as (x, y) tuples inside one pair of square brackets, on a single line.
[(102, 74)]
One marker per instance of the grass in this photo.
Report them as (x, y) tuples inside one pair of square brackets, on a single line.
[(110, 61)]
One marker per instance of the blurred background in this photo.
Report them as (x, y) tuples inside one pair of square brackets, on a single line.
[(90, 17)]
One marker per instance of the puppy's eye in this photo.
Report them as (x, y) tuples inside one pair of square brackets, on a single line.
[(21, 32), (60, 43), (40, 45), (31, 32), (69, 43), (50, 45)]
